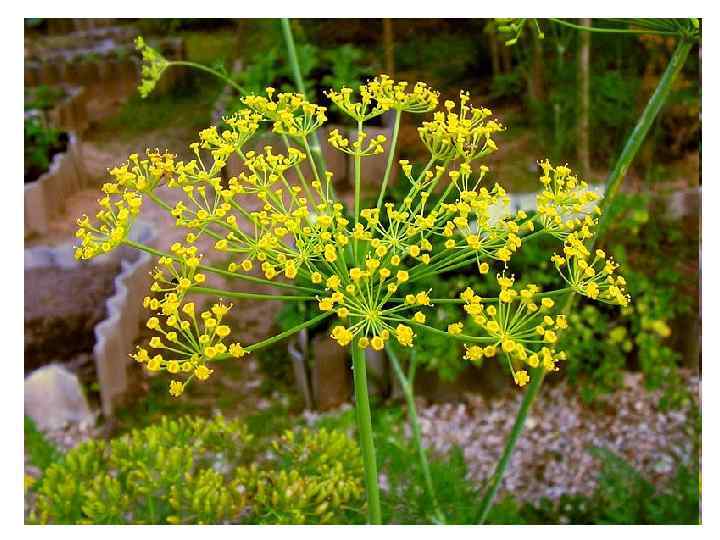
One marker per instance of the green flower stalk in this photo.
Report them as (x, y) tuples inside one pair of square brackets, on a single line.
[(362, 269)]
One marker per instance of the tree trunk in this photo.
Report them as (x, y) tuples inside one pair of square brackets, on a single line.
[(389, 46), (537, 72), (583, 129), (494, 53), (506, 60)]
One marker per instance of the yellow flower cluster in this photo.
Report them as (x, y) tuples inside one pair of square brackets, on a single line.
[(595, 279), (188, 342), (153, 66), (565, 204), (465, 135), (391, 95), (290, 113), (520, 325)]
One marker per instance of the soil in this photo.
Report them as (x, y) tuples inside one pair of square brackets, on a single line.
[(553, 455), (62, 307)]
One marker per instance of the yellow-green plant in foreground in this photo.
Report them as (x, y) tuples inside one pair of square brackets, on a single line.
[(361, 266), (192, 470)]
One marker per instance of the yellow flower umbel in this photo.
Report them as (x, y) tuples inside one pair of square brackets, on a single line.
[(189, 342), (362, 271), (153, 66), (595, 279), (565, 203), (520, 325)]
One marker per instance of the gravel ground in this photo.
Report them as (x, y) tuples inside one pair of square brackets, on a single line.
[(551, 457)]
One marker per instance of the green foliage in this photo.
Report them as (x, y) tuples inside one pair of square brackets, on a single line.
[(346, 68), (40, 142), (341, 67), (447, 56), (260, 72), (42, 453), (434, 351), (166, 473), (43, 97), (406, 499), (313, 478), (188, 104), (193, 470), (276, 367), (623, 496), (506, 85)]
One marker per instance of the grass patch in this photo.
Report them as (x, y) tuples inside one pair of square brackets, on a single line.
[(210, 47), (187, 106)]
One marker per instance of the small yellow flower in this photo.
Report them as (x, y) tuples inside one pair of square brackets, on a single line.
[(455, 328), (404, 335), (237, 351), (521, 377), (176, 388), (377, 343), (202, 372)]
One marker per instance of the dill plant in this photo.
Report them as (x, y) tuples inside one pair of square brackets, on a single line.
[(361, 265)]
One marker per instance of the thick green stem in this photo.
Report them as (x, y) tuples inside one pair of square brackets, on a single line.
[(391, 157), (295, 65), (613, 184), (364, 424), (407, 388)]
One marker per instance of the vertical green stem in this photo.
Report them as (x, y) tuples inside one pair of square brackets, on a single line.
[(364, 423), (358, 182), (613, 183), (408, 392), (391, 156), (295, 65)]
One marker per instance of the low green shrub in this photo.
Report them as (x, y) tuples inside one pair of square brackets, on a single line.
[(193, 470), (313, 478), (41, 142), (41, 452)]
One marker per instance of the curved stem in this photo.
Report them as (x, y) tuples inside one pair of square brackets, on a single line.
[(210, 70), (528, 399), (365, 436)]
